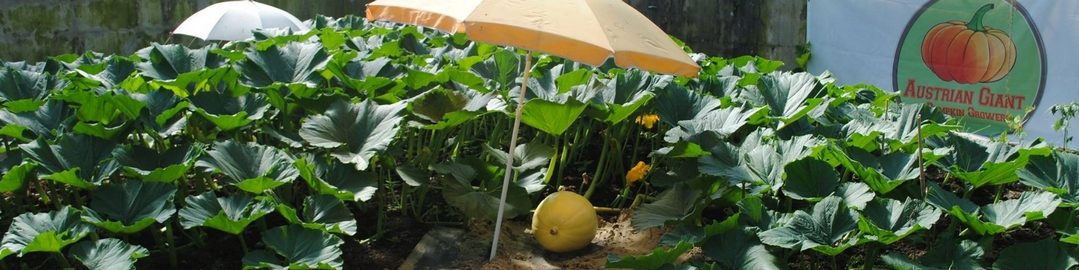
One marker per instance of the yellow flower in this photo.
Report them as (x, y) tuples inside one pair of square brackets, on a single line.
[(637, 172), (648, 120)]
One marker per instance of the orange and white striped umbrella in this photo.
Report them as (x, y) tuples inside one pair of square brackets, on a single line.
[(586, 31)]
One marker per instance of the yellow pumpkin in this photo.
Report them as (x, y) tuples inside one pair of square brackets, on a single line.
[(564, 221)]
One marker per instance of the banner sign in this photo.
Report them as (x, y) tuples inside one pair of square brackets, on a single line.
[(986, 62)]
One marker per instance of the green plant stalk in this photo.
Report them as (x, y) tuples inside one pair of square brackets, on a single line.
[(554, 161), (64, 264), (243, 243), (562, 164), (170, 238), (871, 256), (598, 177)]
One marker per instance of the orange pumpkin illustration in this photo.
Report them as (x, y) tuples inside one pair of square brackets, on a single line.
[(968, 52)]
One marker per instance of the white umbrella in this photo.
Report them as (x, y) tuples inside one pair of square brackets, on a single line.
[(234, 20)]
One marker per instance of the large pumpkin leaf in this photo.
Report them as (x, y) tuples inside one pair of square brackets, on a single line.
[(982, 162), (945, 254), (996, 217), (293, 63), (15, 171), (178, 68), (1044, 254), (150, 165), (164, 112), (828, 229), (357, 132), (249, 166), (659, 258), (883, 173), (321, 212), (44, 232), (675, 104), (131, 206), (296, 247), (501, 68), (228, 214), (76, 160), (337, 179), (365, 76), (110, 73), (445, 108), (790, 96), (737, 249), (48, 121), (716, 124), (1058, 174), (552, 117), (229, 112), (525, 157), (480, 201), (108, 254), (626, 92), (23, 91), (673, 204), (887, 221), (809, 179)]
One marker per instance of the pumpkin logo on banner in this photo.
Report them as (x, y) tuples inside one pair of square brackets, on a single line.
[(982, 61)]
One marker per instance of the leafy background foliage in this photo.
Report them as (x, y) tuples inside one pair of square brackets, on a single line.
[(293, 144)]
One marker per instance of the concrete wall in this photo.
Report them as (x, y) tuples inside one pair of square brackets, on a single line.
[(35, 29)]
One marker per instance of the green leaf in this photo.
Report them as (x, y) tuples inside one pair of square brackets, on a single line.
[(657, 259), (718, 124), (251, 167), (887, 221), (293, 63), (357, 132), (301, 248), (49, 120), (790, 95), (1058, 174), (131, 206), (337, 179), (228, 112), (945, 254), (882, 173), (228, 214), (736, 249), (149, 165), (164, 112), (552, 117), (108, 254), (502, 68), (23, 90), (446, 108), (1044, 254), (44, 232), (828, 229), (321, 212), (525, 157), (621, 96), (809, 179), (981, 162), (997, 217), (672, 204), (482, 201), (675, 104), (76, 160), (15, 172)]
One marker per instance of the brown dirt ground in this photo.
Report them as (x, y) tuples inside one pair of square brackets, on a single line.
[(519, 250)]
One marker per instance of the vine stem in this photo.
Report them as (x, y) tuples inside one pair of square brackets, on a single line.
[(64, 264)]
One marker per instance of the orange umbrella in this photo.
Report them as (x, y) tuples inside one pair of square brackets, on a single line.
[(586, 31)]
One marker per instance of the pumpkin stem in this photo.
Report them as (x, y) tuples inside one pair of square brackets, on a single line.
[(554, 231), (976, 22)]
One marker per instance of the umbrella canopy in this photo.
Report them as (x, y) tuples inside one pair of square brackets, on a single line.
[(586, 31), (234, 20)]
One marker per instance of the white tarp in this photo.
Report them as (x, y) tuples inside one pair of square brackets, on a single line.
[(955, 54)]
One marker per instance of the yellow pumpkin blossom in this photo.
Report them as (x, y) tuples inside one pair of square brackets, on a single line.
[(637, 172), (647, 120)]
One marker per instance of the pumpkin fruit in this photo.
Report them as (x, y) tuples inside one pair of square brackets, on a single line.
[(968, 52), (564, 221)]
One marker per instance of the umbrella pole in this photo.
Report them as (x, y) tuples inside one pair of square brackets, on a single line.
[(509, 158)]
